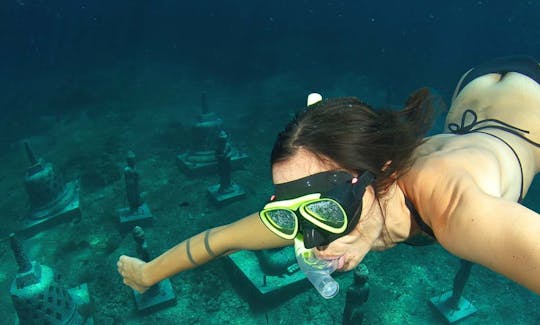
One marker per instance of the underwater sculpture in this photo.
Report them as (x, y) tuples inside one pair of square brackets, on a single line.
[(138, 211), (201, 157), (38, 296), (52, 201)]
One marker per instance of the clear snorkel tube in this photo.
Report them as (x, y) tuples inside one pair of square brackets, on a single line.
[(316, 270)]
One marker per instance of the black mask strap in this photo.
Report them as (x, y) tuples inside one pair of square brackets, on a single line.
[(316, 183)]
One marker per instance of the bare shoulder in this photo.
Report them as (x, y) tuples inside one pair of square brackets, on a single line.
[(457, 158), (473, 224), (438, 181)]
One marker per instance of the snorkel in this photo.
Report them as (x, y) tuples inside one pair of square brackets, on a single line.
[(316, 270)]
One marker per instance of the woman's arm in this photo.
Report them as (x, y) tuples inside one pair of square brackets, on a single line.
[(247, 233), (497, 233)]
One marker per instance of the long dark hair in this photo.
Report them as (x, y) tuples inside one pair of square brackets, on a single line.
[(358, 137)]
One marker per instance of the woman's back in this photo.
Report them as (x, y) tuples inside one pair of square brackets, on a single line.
[(513, 98), (493, 157)]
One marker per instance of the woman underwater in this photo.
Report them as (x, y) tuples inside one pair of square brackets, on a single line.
[(383, 183)]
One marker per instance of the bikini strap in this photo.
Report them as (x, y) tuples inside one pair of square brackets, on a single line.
[(465, 128), (421, 224), (518, 160)]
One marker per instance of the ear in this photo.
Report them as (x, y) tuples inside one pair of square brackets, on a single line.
[(313, 98)]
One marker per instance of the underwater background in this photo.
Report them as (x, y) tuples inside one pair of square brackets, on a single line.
[(84, 82)]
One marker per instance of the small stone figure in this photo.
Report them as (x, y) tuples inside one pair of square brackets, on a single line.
[(159, 295), (132, 182), (138, 210), (223, 157), (226, 190), (206, 129), (142, 245), (357, 296)]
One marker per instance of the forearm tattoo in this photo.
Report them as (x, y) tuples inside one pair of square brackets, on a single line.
[(207, 244), (188, 252)]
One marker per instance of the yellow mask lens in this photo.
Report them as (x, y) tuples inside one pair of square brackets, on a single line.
[(282, 222), (328, 212)]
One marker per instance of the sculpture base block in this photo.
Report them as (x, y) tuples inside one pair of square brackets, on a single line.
[(450, 312), (195, 167), (220, 198), (141, 217), (65, 210), (161, 296)]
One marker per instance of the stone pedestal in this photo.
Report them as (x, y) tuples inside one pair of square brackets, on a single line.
[(271, 275)]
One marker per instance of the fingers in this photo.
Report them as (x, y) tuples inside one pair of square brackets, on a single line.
[(349, 263), (334, 250), (124, 262), (125, 267), (123, 259), (121, 264), (122, 267), (352, 256)]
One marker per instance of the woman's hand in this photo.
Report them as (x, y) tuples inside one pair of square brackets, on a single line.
[(131, 269), (349, 250), (368, 235)]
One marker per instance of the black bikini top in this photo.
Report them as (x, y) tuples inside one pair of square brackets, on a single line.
[(419, 240), (465, 128)]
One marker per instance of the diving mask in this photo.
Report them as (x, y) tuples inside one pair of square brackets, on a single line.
[(322, 207)]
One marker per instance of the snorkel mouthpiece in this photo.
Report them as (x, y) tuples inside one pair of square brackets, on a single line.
[(317, 270)]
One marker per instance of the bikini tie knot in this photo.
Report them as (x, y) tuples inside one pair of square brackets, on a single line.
[(469, 120), (464, 128)]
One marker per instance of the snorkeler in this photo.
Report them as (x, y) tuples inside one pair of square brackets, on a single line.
[(351, 179)]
